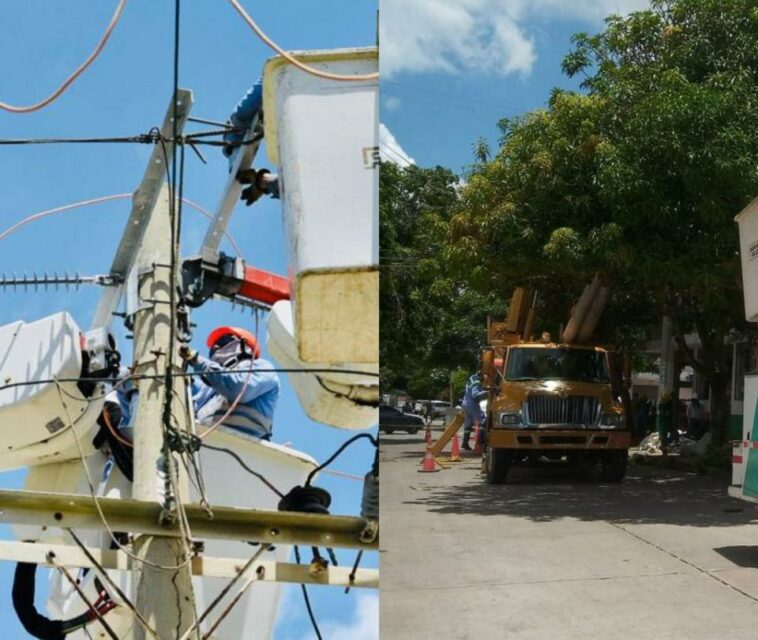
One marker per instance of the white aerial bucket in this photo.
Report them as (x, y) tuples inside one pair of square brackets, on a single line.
[(347, 401), (323, 136), (228, 484), (34, 427), (747, 221)]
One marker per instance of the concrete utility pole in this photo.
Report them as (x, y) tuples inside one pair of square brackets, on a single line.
[(163, 596)]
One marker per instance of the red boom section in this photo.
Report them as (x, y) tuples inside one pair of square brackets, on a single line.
[(264, 286)]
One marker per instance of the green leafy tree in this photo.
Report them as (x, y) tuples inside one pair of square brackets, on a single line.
[(431, 323), (680, 82), (638, 177)]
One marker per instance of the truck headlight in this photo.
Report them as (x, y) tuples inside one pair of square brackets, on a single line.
[(612, 421), (510, 419)]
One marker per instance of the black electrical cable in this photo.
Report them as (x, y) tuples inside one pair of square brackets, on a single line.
[(308, 601), (175, 211), (176, 374), (260, 477), (212, 132), (179, 201), (221, 143), (152, 137), (143, 138), (336, 454), (168, 375)]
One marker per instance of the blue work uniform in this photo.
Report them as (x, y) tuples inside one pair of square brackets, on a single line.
[(242, 117), (472, 412), (120, 407), (219, 386)]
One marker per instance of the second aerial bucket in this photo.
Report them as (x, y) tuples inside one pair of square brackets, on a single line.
[(322, 135)]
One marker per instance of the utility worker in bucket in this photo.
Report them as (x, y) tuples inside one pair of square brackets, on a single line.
[(116, 431), (237, 386), (260, 181)]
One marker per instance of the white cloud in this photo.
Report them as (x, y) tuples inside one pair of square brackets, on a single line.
[(487, 36), (591, 11), (361, 624), (390, 149), (392, 103), (364, 624)]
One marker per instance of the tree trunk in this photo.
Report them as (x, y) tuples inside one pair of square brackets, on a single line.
[(720, 407), (713, 365), (678, 366)]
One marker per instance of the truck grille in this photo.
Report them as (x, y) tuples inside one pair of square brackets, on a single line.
[(543, 408)]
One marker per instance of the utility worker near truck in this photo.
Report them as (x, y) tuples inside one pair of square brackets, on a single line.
[(472, 412)]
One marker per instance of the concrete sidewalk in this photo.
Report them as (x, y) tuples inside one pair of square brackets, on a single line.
[(556, 554)]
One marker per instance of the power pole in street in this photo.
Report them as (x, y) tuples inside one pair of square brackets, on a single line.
[(163, 580), (142, 586)]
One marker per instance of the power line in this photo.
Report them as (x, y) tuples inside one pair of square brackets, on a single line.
[(152, 137), (142, 138), (77, 72), (300, 65), (175, 221), (337, 453), (186, 374), (118, 196), (242, 463), (308, 606)]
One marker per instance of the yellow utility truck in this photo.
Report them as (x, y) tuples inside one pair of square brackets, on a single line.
[(548, 400)]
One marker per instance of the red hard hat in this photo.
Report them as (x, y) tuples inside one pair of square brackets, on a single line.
[(244, 335)]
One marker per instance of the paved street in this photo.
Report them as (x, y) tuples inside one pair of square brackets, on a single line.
[(665, 555)]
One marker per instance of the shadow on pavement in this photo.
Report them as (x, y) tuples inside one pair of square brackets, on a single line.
[(745, 556), (647, 495)]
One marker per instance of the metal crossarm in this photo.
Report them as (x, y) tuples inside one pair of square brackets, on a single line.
[(211, 567), (142, 517)]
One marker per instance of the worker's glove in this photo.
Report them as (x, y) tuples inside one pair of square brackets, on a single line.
[(187, 353), (258, 185)]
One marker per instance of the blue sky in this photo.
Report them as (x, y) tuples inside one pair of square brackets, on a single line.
[(126, 92), (452, 68)]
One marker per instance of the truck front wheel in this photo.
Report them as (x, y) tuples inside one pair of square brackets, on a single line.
[(613, 465), (496, 465)]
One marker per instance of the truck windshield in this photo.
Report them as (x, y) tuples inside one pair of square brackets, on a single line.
[(557, 364)]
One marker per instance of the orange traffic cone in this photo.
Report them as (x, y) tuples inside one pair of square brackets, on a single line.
[(428, 461), (455, 451), (428, 435), (478, 449)]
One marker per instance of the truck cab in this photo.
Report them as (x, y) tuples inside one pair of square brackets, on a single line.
[(552, 401)]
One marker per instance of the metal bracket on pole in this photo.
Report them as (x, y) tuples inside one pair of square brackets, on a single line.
[(143, 203), (232, 191), (210, 567)]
